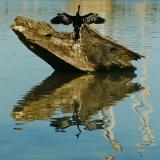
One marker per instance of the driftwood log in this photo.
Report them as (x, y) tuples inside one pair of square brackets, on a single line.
[(93, 53)]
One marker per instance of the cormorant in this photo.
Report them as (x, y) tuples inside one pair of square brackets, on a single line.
[(77, 21)]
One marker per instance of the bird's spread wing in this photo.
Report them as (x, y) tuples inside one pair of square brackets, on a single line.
[(62, 18), (93, 18), (68, 16)]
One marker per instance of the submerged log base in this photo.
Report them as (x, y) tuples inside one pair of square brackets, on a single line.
[(59, 49)]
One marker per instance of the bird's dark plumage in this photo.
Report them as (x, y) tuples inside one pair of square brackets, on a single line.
[(93, 18), (61, 18), (77, 21)]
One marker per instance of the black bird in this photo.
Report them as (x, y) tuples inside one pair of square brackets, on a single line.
[(77, 21)]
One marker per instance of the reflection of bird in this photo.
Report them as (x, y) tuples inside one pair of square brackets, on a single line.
[(77, 20), (75, 116)]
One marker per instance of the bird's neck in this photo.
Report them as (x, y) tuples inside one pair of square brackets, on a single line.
[(77, 14)]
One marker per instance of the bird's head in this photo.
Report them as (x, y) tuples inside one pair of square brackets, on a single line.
[(78, 7), (77, 14)]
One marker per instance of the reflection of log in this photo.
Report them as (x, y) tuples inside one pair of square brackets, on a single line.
[(59, 50), (92, 91)]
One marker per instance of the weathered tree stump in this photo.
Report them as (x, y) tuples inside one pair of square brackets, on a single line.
[(93, 53)]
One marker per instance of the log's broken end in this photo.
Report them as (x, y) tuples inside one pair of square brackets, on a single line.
[(92, 53)]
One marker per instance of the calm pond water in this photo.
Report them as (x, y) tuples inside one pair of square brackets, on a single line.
[(46, 115)]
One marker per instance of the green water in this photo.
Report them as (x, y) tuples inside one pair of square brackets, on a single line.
[(46, 115)]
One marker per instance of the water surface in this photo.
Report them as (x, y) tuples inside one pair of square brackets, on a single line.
[(46, 115)]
